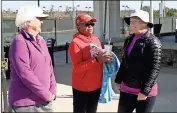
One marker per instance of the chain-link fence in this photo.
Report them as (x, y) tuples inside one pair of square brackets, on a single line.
[(63, 29)]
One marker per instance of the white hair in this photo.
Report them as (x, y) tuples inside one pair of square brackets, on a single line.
[(24, 25)]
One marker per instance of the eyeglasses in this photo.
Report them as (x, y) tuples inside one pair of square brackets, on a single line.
[(87, 24)]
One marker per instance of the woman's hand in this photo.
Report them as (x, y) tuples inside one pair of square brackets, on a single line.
[(52, 97), (103, 57), (141, 97), (118, 86)]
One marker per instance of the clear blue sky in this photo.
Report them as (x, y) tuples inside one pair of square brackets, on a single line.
[(14, 5)]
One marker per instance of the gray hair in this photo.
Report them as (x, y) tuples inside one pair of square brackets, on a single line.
[(24, 25)]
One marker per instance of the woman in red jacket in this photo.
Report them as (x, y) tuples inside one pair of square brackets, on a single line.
[(86, 70)]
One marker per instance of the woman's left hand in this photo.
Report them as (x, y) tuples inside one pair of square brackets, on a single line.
[(109, 57), (141, 97)]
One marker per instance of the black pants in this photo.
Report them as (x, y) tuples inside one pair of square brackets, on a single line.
[(129, 102), (85, 102)]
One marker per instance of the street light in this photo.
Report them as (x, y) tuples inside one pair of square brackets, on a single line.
[(128, 9), (76, 9), (125, 6), (88, 9), (70, 10), (44, 9), (59, 10), (125, 9), (123, 29), (47, 11)]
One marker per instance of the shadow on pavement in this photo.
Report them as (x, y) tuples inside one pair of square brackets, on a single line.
[(62, 69)]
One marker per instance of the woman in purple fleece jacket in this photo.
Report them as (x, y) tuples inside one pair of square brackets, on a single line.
[(32, 85)]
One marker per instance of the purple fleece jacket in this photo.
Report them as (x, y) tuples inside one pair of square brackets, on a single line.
[(32, 76)]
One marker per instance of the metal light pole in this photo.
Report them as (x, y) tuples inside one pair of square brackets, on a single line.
[(70, 11), (123, 29), (38, 3), (151, 15), (141, 5), (73, 16), (44, 9), (76, 9), (87, 9), (125, 9), (164, 9), (128, 9), (105, 18), (59, 10), (73, 8)]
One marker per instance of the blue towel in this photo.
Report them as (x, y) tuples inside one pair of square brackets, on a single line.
[(109, 70)]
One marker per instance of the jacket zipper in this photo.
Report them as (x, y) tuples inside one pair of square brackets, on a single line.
[(125, 53)]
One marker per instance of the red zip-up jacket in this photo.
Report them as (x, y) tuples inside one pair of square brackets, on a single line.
[(86, 71)]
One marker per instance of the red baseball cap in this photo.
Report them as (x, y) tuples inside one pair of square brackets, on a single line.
[(84, 18)]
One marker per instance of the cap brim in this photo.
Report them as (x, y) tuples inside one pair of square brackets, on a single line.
[(127, 21), (43, 16), (93, 20)]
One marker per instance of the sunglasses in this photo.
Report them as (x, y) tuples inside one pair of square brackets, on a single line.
[(87, 24)]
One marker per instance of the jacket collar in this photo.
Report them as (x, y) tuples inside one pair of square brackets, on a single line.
[(29, 36), (81, 35), (146, 35), (129, 38)]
